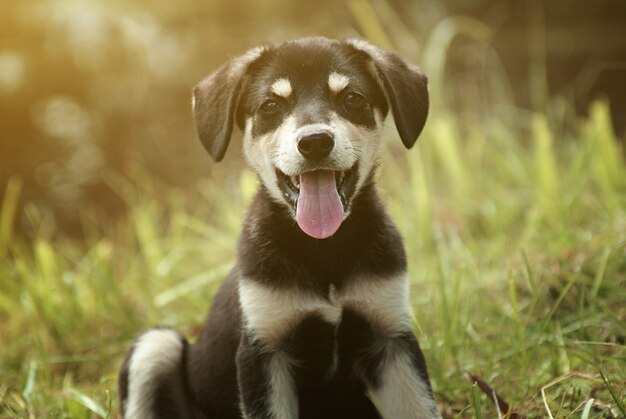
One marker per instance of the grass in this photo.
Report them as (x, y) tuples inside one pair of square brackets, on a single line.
[(519, 264), (517, 245), (515, 230)]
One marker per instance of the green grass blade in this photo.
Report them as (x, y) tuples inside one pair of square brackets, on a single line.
[(86, 402), (30, 381), (191, 285), (587, 409), (547, 181), (7, 212), (618, 402), (370, 23), (475, 401)]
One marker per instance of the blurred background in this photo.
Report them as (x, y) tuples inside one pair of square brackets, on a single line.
[(512, 205), (91, 88)]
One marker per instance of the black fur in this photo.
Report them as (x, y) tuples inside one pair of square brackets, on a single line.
[(367, 243), (407, 90), (252, 374), (215, 101), (309, 69), (274, 251), (333, 364), (122, 383), (218, 98), (173, 396), (327, 387)]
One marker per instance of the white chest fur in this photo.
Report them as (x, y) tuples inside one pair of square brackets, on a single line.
[(269, 313)]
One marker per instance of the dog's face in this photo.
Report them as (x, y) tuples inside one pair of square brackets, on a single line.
[(312, 113)]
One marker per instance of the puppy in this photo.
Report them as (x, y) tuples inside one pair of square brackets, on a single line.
[(314, 320)]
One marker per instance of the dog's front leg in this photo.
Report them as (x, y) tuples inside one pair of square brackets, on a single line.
[(392, 367), (266, 381), (402, 390), (266, 384), (375, 333)]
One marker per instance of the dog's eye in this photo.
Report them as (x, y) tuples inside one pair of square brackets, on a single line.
[(354, 101), (270, 107)]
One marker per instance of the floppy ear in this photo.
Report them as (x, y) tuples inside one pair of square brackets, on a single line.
[(406, 89), (215, 100)]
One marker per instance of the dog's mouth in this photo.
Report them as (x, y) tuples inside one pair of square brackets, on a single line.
[(321, 198)]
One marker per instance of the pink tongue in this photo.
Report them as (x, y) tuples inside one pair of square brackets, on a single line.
[(319, 211)]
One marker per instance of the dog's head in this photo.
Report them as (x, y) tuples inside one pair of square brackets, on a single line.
[(312, 112)]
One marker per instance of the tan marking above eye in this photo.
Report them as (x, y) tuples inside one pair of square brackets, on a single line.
[(337, 82), (281, 87)]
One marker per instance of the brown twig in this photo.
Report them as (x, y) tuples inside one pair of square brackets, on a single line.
[(495, 398)]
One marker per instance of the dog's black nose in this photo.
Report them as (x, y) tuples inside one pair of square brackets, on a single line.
[(316, 146)]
